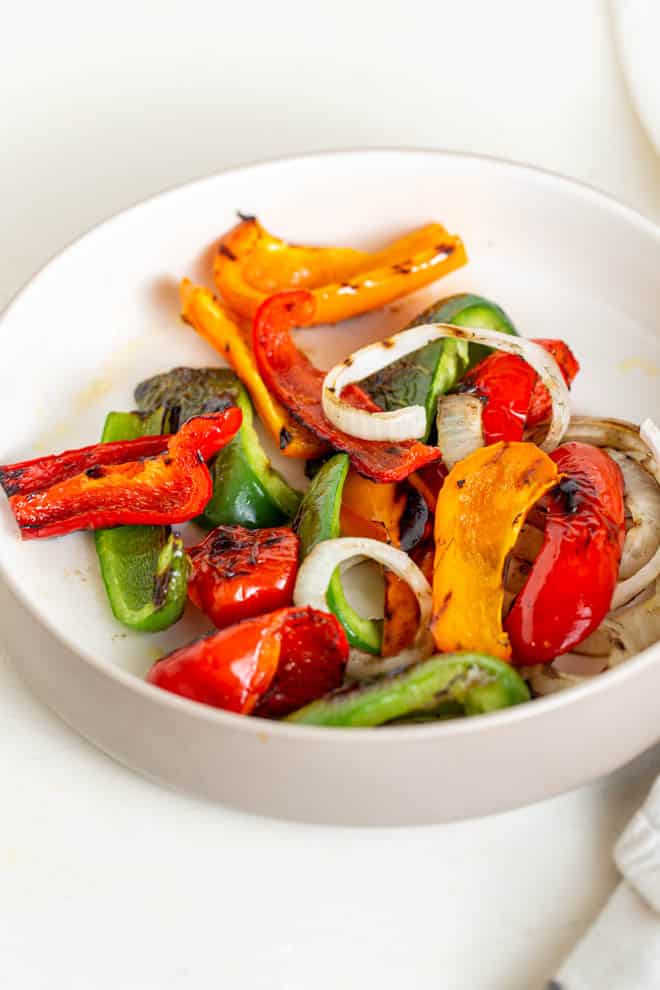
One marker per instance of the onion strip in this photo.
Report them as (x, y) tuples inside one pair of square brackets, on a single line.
[(344, 552), (460, 429), (409, 423)]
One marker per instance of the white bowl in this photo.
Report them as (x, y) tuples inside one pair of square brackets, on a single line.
[(561, 258)]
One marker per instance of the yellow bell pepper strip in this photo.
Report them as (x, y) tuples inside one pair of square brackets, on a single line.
[(251, 264), (480, 511), (202, 311)]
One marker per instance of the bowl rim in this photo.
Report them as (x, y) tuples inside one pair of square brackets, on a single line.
[(385, 734)]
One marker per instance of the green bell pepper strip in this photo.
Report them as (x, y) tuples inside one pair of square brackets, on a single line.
[(247, 490), (477, 683), (144, 568), (421, 377), (317, 520)]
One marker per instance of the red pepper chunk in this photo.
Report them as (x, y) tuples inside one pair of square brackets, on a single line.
[(238, 573), (298, 386), (570, 586), (297, 653), (514, 395), (44, 472), (171, 488), (505, 382)]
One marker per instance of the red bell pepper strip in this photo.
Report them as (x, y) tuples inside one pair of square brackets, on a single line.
[(238, 573), (173, 487), (514, 395), (285, 658), (297, 384), (43, 472), (570, 586)]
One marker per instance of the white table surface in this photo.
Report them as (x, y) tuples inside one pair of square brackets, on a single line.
[(107, 881)]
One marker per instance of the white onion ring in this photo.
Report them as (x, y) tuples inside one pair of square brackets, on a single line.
[(459, 423), (410, 423), (642, 498), (650, 434), (346, 551)]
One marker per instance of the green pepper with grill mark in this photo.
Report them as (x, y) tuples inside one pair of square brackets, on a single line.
[(317, 520), (421, 377), (471, 683), (247, 490), (144, 568)]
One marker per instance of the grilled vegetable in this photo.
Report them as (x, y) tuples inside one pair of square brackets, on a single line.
[(406, 424), (202, 311), (418, 379), (298, 385), (251, 265), (569, 589), (469, 683), (238, 573), (173, 487), (480, 512), (247, 490), (144, 568), (322, 565), (270, 664), (318, 520)]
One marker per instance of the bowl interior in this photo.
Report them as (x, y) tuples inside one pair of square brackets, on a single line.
[(563, 261)]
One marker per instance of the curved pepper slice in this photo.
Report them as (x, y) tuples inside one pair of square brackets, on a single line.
[(285, 658), (251, 265), (480, 511), (467, 684), (569, 589), (201, 310), (173, 487), (43, 472), (298, 385), (238, 573)]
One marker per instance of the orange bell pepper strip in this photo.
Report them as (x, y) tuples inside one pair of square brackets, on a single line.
[(480, 511), (202, 311), (374, 510), (251, 264)]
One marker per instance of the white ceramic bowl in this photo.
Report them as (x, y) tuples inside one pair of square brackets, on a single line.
[(563, 259)]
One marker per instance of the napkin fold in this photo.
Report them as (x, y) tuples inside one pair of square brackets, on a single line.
[(621, 951)]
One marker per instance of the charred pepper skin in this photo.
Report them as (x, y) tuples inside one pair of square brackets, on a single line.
[(569, 589), (44, 472), (298, 385), (251, 264), (173, 487), (206, 315), (238, 573), (144, 568), (277, 661), (247, 490), (463, 683)]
